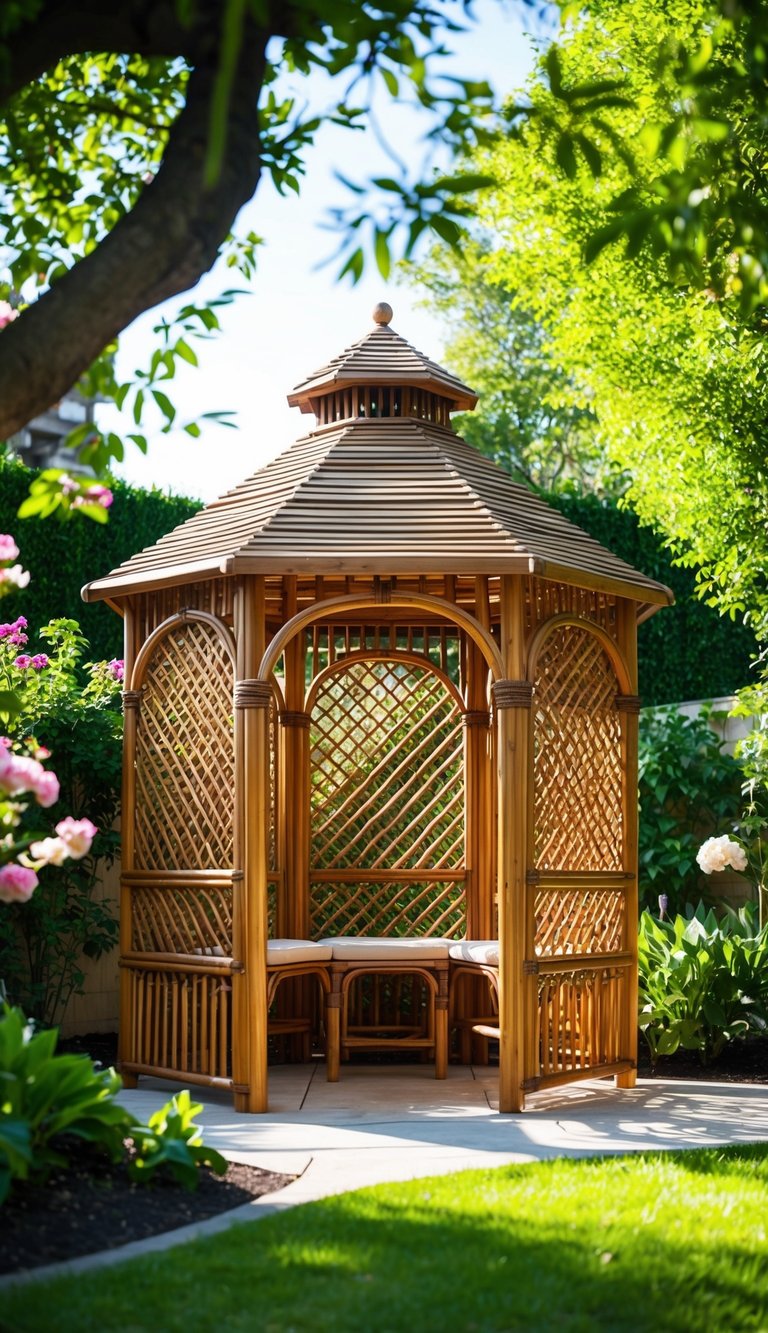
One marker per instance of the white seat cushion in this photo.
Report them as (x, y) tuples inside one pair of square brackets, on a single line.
[(373, 948), (296, 951), (476, 951)]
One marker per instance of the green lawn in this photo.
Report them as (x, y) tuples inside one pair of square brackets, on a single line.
[(653, 1242)]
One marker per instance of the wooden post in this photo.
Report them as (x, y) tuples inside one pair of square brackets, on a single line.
[(512, 698), (629, 706), (252, 702), (131, 701)]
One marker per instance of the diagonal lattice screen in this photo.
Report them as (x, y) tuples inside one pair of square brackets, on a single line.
[(387, 782), (387, 795), (577, 755), (185, 755)]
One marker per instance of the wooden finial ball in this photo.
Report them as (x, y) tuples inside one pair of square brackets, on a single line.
[(382, 313)]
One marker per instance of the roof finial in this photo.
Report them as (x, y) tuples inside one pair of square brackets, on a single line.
[(382, 313)]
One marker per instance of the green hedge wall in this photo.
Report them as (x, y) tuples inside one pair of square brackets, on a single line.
[(61, 557), (685, 651)]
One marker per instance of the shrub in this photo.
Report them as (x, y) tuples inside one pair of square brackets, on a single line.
[(45, 1099), (688, 788), (73, 710), (703, 981)]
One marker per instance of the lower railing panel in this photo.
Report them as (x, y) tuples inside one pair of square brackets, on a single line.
[(179, 1021), (580, 1021)]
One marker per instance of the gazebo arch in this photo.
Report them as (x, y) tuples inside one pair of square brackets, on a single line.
[(403, 582)]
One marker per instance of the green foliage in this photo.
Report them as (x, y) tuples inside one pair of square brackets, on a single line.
[(64, 557), (44, 1096), (73, 711), (703, 981), (674, 376), (688, 788), (47, 1099), (171, 1139)]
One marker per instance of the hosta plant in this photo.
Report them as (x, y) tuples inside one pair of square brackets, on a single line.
[(703, 981), (46, 1100)]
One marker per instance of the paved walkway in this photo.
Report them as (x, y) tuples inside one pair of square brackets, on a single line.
[(382, 1123)]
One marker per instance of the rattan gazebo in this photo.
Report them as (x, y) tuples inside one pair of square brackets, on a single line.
[(379, 690)]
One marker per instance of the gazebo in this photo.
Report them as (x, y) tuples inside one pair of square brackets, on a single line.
[(379, 690)]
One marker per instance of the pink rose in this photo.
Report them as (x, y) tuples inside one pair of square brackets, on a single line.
[(117, 668), (39, 661), (46, 789), (77, 835), (17, 883), (8, 548), (7, 314), (22, 661)]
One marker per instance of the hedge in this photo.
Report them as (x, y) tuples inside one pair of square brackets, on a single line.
[(686, 651), (63, 556)]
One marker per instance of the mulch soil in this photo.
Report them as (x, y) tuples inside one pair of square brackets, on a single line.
[(94, 1205)]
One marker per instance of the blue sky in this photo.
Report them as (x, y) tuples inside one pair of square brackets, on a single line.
[(296, 315)]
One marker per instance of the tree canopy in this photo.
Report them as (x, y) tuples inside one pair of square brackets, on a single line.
[(675, 374), (132, 134)]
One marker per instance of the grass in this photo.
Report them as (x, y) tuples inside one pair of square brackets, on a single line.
[(662, 1241)]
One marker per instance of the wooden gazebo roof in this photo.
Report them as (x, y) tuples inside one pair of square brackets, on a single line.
[(381, 495)]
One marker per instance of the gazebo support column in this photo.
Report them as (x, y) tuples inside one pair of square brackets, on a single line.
[(512, 699), (252, 702), (629, 709)]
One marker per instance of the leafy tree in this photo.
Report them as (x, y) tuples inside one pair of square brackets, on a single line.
[(497, 345), (132, 134), (675, 376)]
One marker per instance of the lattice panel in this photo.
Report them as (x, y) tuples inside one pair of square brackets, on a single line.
[(580, 1020), (387, 786), (185, 755), (577, 772), (181, 920), (181, 1021), (579, 921), (387, 909)]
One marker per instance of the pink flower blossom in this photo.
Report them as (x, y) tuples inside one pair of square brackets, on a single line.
[(68, 484), (40, 661), (14, 632), (22, 661), (7, 314), (77, 835), (49, 851), (98, 495), (17, 883), (117, 668), (47, 789), (8, 548), (6, 743)]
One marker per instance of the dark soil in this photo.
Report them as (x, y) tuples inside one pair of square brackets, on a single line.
[(740, 1062), (94, 1205)]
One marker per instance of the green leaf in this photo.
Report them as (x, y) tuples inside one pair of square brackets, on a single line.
[(381, 251), (566, 156)]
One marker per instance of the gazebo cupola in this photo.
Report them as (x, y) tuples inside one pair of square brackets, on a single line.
[(382, 376), (379, 690)]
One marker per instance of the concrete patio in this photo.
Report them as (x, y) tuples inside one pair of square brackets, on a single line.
[(383, 1123)]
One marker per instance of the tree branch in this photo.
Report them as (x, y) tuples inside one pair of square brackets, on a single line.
[(162, 247)]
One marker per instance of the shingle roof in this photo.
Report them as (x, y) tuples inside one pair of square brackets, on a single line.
[(385, 496), (383, 357)]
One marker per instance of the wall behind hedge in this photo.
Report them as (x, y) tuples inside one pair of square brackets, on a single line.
[(61, 557), (686, 651)]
